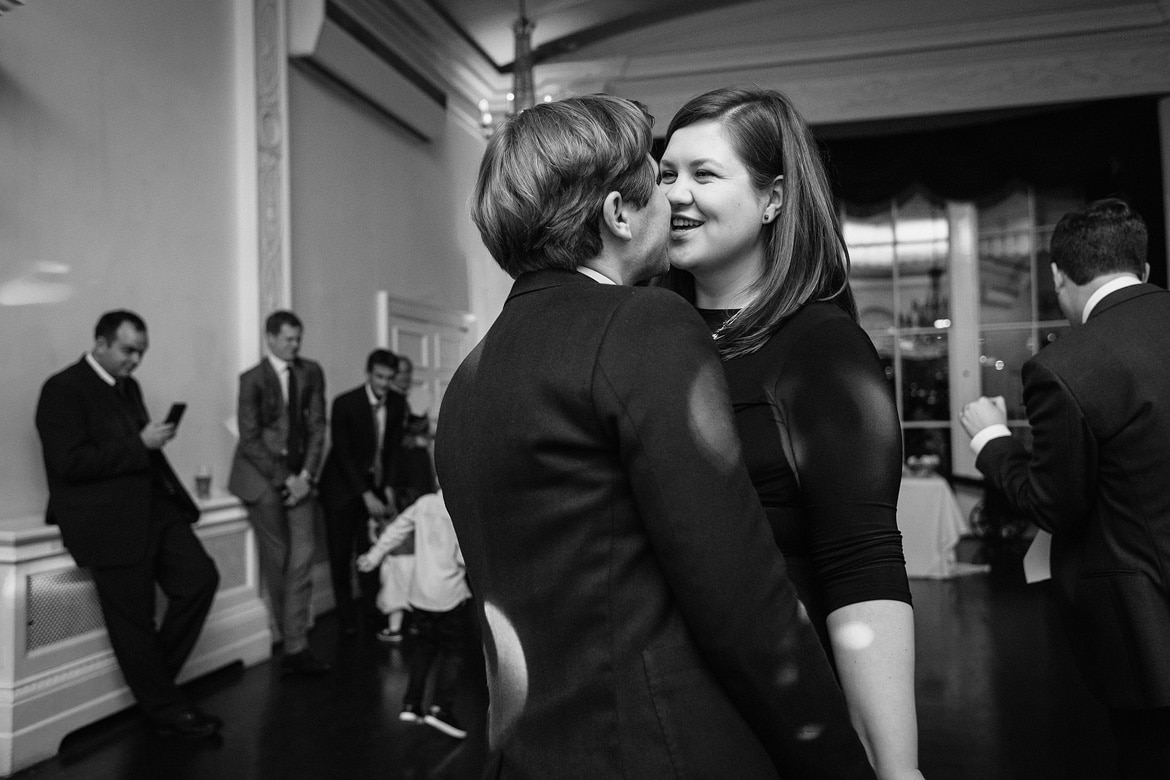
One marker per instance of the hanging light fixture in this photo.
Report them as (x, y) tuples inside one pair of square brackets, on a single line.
[(523, 94)]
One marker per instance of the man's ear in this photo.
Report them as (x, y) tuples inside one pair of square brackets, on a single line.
[(614, 217), (1146, 273), (1057, 276)]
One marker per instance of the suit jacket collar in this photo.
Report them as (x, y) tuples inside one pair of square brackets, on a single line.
[(1124, 295), (543, 280)]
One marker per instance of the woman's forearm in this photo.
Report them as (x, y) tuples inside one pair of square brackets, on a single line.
[(873, 645)]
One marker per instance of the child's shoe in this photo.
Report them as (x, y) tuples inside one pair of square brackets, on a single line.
[(411, 712)]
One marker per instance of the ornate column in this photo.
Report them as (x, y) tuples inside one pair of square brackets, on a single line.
[(274, 260), (1164, 134)]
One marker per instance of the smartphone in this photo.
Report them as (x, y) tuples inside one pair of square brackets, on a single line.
[(176, 413)]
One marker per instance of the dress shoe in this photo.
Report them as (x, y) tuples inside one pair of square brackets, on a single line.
[(304, 663), (445, 722), (188, 723)]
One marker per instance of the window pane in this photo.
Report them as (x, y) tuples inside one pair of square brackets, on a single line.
[(1001, 360), (1005, 259), (917, 442), (921, 220), (923, 283), (921, 252), (1002, 355), (871, 248), (875, 298), (866, 227), (1005, 277), (925, 378), (1047, 305)]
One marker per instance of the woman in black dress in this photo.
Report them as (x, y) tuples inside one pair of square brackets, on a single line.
[(756, 246)]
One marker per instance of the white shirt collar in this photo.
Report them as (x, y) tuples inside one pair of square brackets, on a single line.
[(101, 372), (279, 365), (595, 275), (1105, 289), (374, 400)]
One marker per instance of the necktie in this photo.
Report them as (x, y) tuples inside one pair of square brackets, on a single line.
[(295, 444), (379, 434)]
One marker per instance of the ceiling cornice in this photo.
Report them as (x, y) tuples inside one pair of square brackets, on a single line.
[(1036, 29), (424, 39), (955, 79)]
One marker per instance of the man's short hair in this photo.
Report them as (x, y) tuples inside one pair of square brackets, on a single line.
[(278, 319), (382, 357), (545, 175), (108, 324), (1104, 237)]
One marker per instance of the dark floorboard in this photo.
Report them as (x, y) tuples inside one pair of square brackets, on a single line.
[(997, 698)]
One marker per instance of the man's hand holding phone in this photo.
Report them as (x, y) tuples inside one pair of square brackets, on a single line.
[(175, 414)]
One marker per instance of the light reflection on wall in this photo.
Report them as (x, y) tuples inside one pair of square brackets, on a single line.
[(39, 282)]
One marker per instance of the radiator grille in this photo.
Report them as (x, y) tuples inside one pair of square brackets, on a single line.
[(63, 604)]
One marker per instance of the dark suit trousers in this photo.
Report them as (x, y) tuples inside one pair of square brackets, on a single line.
[(284, 539), (1143, 742), (346, 534), (151, 657)]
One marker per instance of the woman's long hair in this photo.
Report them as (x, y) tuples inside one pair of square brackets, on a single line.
[(805, 257)]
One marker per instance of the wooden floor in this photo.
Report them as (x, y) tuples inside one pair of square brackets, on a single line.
[(997, 698)]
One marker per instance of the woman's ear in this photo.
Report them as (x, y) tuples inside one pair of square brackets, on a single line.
[(775, 195), (614, 218)]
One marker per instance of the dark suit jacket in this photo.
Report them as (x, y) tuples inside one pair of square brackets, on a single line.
[(1098, 478), (99, 471), (260, 462), (351, 452), (636, 614)]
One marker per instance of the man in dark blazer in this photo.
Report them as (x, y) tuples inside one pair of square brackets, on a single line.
[(281, 414), (356, 483), (125, 515), (637, 617), (1098, 474)]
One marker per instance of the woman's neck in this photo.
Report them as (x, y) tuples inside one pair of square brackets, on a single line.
[(727, 288)]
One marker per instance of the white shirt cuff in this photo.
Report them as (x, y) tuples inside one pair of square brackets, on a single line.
[(986, 435)]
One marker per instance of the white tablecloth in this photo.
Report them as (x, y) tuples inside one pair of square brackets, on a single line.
[(931, 524)]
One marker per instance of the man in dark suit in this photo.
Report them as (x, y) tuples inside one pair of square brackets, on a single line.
[(356, 483), (125, 515), (281, 415), (637, 617), (1098, 401)]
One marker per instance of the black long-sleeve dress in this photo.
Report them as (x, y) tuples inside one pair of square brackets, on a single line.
[(823, 446)]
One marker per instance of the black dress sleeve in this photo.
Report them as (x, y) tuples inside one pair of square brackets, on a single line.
[(847, 445)]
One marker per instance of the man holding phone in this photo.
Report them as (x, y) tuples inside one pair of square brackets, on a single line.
[(125, 515)]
